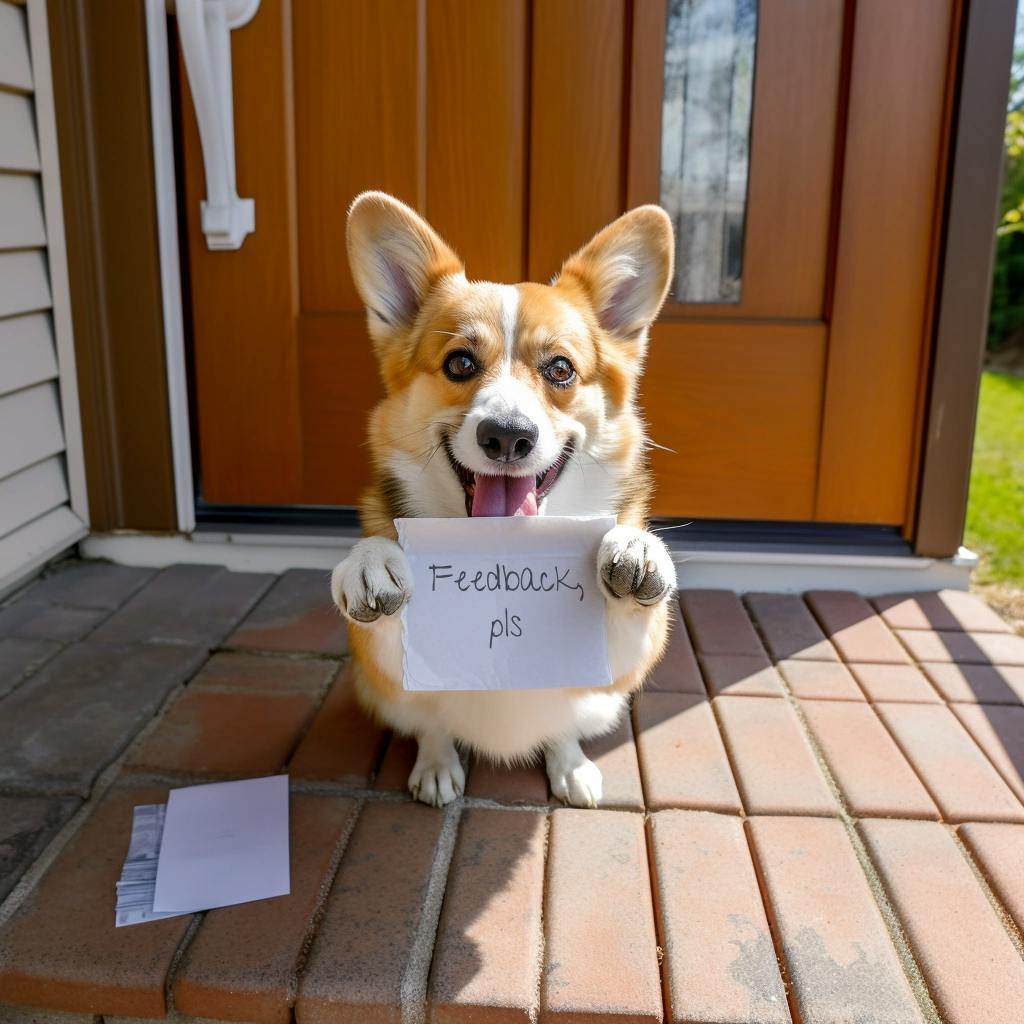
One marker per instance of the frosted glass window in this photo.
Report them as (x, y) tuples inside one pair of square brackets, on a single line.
[(705, 142)]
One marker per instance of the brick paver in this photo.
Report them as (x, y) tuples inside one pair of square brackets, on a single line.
[(296, 614), (941, 609), (999, 851), (61, 951), (747, 675), (243, 962), (487, 957), (186, 604), (971, 967), (977, 684), (89, 585), (999, 731), (677, 671), (869, 769), (26, 825), (789, 630), (774, 763), (362, 951), (820, 680), (682, 758), (343, 744), (813, 709), (964, 648), (600, 953), (841, 962), (33, 620), (226, 734), (719, 623), (78, 712), (853, 626), (719, 961), (958, 775), (895, 683)]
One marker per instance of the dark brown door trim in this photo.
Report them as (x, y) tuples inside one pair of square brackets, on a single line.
[(966, 278), (101, 94)]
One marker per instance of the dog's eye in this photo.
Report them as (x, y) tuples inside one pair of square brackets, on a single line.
[(460, 366), (560, 371)]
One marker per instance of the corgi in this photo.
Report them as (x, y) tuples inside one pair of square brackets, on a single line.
[(505, 400)]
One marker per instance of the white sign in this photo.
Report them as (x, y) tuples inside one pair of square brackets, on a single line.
[(504, 603)]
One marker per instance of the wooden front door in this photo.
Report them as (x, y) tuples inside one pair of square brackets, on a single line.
[(786, 373)]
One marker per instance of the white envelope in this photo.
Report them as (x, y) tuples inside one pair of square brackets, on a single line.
[(224, 843)]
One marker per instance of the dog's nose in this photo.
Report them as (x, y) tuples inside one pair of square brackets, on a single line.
[(508, 439)]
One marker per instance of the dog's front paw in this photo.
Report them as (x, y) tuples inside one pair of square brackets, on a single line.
[(634, 563), (438, 776), (574, 778), (374, 580)]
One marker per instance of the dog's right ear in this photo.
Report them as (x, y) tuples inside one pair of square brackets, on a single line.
[(396, 258)]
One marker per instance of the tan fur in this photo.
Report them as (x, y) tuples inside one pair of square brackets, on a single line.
[(596, 314)]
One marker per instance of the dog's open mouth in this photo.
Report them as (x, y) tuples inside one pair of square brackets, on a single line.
[(506, 495)]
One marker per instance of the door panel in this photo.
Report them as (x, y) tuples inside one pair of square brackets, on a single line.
[(740, 406), (877, 346), (520, 127), (576, 154)]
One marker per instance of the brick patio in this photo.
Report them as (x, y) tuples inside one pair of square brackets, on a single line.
[(815, 815)]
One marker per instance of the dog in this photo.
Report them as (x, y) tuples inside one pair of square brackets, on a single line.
[(505, 400)]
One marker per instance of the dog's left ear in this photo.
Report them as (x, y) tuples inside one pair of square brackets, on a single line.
[(625, 269)]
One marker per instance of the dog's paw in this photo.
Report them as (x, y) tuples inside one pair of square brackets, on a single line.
[(374, 580), (438, 777), (574, 778), (634, 563)]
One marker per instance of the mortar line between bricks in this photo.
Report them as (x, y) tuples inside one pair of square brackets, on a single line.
[(659, 931), (986, 887), (984, 753), (897, 937), (176, 960), (534, 1011), (730, 758), (320, 909), (416, 977)]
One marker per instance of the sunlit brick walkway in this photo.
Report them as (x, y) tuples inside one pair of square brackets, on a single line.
[(815, 815)]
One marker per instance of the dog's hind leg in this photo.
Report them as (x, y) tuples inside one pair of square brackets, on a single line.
[(575, 779), (437, 777)]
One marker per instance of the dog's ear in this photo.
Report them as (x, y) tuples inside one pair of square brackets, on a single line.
[(396, 258), (625, 269)]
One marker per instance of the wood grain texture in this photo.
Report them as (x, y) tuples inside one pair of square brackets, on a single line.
[(740, 406), (883, 261), (576, 157), (244, 302), (477, 90), (359, 87), (339, 386)]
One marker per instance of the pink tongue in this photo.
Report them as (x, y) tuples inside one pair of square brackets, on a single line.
[(505, 496)]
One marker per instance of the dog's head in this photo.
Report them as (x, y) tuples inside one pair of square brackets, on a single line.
[(507, 399)]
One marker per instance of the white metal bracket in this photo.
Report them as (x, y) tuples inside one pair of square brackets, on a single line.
[(204, 28)]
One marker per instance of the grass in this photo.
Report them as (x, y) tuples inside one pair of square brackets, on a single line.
[(995, 509)]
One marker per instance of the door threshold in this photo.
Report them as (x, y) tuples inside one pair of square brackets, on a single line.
[(741, 566)]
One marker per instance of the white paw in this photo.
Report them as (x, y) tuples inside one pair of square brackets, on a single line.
[(574, 778), (374, 580), (438, 778), (634, 563)]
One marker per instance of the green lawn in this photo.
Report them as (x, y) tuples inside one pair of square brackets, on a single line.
[(995, 510)]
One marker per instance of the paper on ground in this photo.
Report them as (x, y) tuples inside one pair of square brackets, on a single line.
[(224, 843), (504, 603), (137, 883)]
